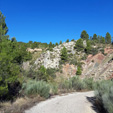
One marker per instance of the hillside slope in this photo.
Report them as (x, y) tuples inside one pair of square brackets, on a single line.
[(98, 66)]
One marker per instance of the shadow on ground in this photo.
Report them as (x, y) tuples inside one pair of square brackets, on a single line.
[(96, 105)]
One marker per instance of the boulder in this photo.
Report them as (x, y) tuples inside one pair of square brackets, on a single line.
[(34, 50)]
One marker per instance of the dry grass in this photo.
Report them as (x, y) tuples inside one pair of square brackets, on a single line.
[(6, 104), (19, 105)]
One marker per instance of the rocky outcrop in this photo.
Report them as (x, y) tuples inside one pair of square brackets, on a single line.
[(96, 58), (108, 50), (50, 59), (69, 70), (98, 66)]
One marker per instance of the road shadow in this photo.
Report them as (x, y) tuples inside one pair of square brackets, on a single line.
[(96, 106)]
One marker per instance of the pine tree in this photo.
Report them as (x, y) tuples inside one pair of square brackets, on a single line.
[(56, 44), (84, 35), (60, 42), (13, 39), (88, 48), (94, 37), (67, 40), (30, 44), (53, 45), (64, 55), (72, 40), (50, 46), (102, 40), (3, 27), (108, 38), (12, 54), (79, 45), (8, 69)]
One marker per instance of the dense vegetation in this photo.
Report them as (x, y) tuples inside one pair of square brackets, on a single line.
[(44, 89), (12, 54), (93, 44), (104, 96)]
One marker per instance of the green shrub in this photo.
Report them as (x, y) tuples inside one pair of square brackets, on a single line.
[(104, 95), (54, 88), (61, 71), (73, 61), (31, 73), (66, 85), (36, 87), (51, 72), (79, 64), (89, 83), (94, 51), (84, 57), (77, 83), (41, 74), (79, 71)]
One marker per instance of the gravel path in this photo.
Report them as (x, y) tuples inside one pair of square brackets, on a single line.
[(70, 103)]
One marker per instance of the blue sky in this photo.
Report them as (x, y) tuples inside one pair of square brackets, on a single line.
[(55, 20)]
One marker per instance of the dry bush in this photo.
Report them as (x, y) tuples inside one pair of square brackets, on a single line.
[(20, 105)]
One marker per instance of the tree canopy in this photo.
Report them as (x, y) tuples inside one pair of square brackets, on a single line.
[(88, 48), (64, 55), (79, 45), (67, 40), (94, 37), (84, 35), (108, 38), (60, 42), (12, 54), (3, 26)]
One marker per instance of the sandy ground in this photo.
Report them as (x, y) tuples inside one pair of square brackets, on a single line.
[(70, 103)]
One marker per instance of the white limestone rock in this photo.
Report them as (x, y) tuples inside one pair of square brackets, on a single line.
[(50, 59)]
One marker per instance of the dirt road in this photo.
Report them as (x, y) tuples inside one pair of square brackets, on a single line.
[(71, 103)]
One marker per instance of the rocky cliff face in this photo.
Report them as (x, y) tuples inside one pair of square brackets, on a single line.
[(50, 59), (99, 66)]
